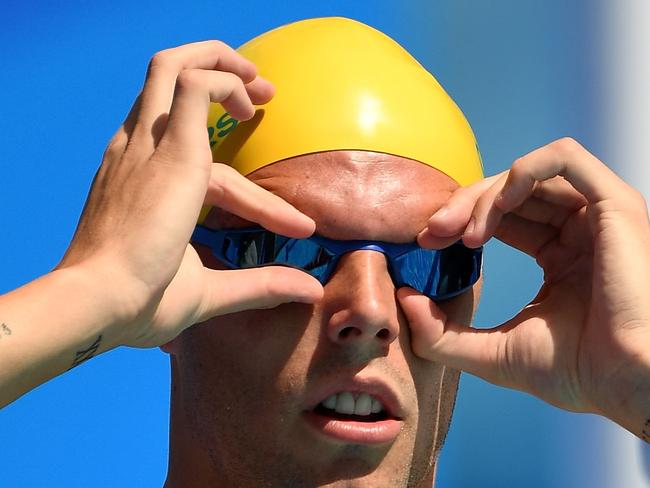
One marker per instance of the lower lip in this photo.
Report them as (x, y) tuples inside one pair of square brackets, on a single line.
[(352, 432)]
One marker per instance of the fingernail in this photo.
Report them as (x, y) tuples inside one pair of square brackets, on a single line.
[(309, 298), (504, 196), (441, 212), (470, 227)]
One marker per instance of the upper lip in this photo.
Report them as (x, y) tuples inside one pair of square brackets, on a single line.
[(373, 386)]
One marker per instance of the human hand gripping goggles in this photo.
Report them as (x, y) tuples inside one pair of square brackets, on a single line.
[(437, 273)]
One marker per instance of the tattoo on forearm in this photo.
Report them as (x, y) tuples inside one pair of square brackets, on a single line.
[(86, 354), (4, 330), (645, 433)]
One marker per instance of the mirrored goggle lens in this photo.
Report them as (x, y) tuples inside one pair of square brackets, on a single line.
[(442, 274), (437, 274), (245, 250)]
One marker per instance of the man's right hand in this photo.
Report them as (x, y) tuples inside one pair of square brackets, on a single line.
[(157, 172)]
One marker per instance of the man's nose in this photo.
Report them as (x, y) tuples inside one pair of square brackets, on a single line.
[(361, 300)]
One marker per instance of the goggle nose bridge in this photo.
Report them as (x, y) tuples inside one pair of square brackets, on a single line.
[(331, 267)]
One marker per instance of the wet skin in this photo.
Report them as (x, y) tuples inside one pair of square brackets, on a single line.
[(241, 383)]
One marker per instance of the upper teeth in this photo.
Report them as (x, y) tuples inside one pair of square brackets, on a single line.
[(346, 403)]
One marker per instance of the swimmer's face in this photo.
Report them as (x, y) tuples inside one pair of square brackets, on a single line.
[(247, 386)]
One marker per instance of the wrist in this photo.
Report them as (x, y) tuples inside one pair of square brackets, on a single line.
[(628, 401), (57, 322), (115, 302)]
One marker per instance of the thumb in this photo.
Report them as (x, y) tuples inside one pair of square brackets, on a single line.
[(230, 291), (435, 337)]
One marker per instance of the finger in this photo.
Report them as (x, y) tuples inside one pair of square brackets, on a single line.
[(260, 91), (166, 65), (565, 158), (238, 195), (185, 136), (232, 291), (164, 68), (555, 250), (436, 338), (491, 206), (485, 216), (565, 254), (447, 225), (525, 235), (577, 232), (429, 241), (184, 150), (543, 212), (561, 261), (559, 191)]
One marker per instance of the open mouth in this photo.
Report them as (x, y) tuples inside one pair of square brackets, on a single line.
[(354, 417), (360, 407)]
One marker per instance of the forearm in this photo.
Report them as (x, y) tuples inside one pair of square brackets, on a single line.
[(51, 325)]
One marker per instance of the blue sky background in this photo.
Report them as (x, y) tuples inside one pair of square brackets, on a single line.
[(524, 73)]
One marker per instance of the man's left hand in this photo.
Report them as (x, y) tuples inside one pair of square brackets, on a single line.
[(583, 342)]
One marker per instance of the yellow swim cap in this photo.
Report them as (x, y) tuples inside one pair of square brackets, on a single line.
[(341, 84)]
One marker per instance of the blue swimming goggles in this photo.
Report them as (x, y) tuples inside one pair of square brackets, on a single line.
[(438, 274)]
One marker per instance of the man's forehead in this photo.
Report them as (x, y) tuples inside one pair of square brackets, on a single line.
[(354, 194)]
